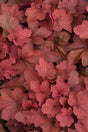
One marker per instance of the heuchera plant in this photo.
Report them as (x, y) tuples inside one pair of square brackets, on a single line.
[(43, 66)]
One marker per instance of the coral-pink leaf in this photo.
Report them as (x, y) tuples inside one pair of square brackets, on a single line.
[(46, 69), (65, 117), (82, 30), (62, 20)]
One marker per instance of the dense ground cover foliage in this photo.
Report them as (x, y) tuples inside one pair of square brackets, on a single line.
[(44, 65)]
